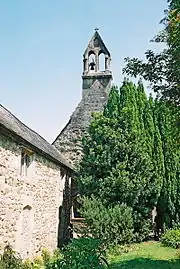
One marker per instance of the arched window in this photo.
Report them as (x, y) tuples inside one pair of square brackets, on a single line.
[(101, 61), (26, 231), (91, 61), (27, 208)]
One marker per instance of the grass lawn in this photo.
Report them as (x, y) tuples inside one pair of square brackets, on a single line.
[(147, 255)]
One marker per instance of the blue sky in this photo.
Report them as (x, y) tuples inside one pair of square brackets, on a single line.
[(41, 48)]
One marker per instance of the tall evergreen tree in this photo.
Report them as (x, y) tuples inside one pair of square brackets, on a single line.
[(117, 167), (169, 191), (130, 156)]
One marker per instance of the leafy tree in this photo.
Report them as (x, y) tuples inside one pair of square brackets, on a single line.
[(130, 156), (162, 69), (117, 166)]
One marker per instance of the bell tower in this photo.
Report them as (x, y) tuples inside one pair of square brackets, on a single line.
[(91, 63), (96, 84)]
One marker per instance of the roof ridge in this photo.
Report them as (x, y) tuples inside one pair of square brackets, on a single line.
[(23, 123), (13, 124)]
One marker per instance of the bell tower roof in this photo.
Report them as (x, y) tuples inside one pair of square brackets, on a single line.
[(96, 85), (97, 45), (95, 51)]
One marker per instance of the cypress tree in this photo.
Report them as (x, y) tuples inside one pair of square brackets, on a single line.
[(130, 156), (168, 200), (116, 167)]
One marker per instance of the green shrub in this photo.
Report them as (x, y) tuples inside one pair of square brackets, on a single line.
[(81, 253), (142, 226), (113, 225), (28, 264), (46, 256), (57, 254), (171, 238), (38, 262), (178, 254), (176, 225), (56, 260), (10, 259)]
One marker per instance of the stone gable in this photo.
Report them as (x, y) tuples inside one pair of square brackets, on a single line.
[(69, 140), (96, 85)]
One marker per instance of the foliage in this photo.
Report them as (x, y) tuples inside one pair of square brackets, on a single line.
[(130, 156), (28, 264), (10, 260), (113, 225), (171, 238), (46, 256), (176, 225), (38, 263), (162, 69), (142, 226), (178, 254), (169, 198), (83, 250), (81, 253)]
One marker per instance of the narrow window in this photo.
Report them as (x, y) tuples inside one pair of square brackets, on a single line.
[(101, 62), (26, 161), (92, 61)]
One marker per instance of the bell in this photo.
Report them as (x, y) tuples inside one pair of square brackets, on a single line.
[(92, 65)]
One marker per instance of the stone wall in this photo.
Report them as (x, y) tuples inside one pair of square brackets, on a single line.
[(93, 100), (29, 204)]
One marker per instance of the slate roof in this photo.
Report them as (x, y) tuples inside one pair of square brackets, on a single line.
[(19, 129)]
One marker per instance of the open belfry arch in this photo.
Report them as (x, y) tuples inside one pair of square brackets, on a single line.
[(96, 84), (95, 49)]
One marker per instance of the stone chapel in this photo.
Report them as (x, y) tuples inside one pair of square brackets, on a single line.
[(37, 178), (35, 189)]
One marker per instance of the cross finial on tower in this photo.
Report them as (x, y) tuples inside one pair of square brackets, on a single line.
[(96, 29)]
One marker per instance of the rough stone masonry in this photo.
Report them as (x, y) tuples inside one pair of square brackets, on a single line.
[(33, 176), (96, 87)]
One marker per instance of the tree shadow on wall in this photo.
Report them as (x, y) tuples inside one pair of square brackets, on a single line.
[(144, 263), (64, 226)]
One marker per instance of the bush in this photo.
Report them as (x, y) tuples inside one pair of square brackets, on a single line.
[(178, 254), (176, 225), (28, 264), (113, 225), (10, 260), (56, 261), (142, 227), (38, 263), (171, 238), (80, 253), (46, 256)]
